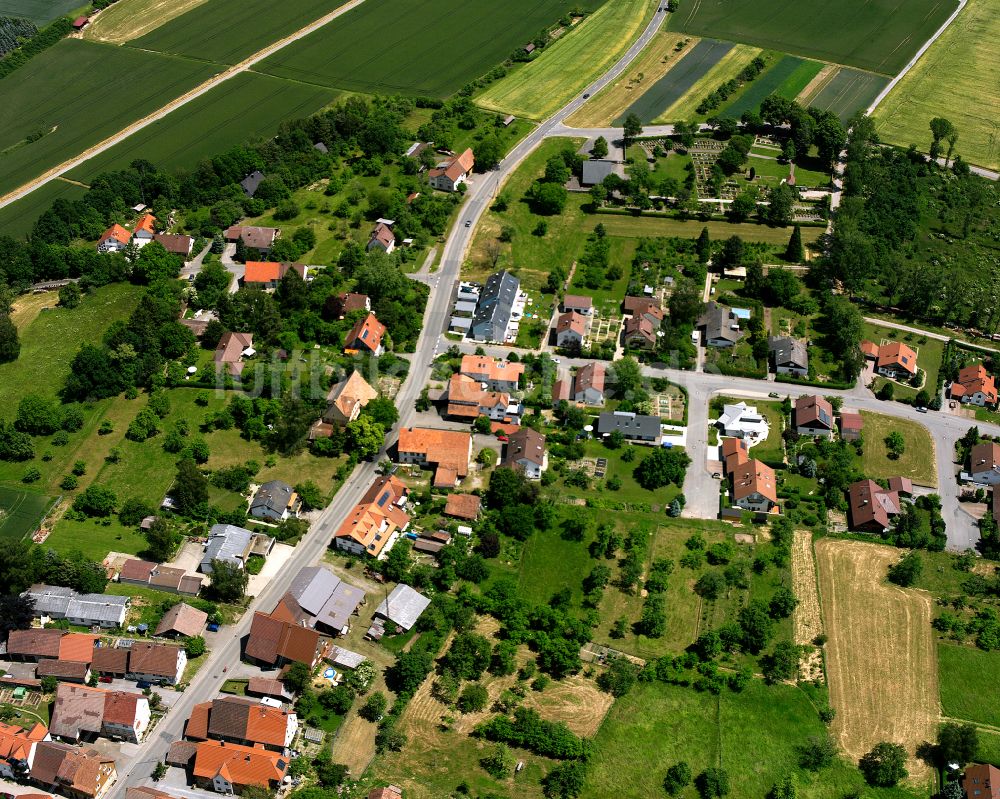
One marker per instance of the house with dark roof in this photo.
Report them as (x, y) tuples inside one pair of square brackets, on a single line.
[(275, 642), (638, 333), (870, 507), (320, 599), (571, 328), (813, 416), (339, 305), (449, 175), (247, 722), (66, 671), (595, 170), (495, 307), (984, 463), (720, 326), (366, 336), (251, 182), (175, 243), (254, 238), (276, 501), (790, 356), (110, 661), (181, 621), (633, 426), (268, 688), (525, 452), (156, 663), (77, 773), (234, 545), (83, 713)]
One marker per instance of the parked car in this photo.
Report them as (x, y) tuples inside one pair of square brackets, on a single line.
[(213, 627), (106, 679)]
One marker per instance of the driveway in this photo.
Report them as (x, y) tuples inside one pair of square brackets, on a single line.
[(274, 563), (189, 556)]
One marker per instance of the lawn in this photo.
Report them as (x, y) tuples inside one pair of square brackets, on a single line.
[(917, 461), (550, 563), (726, 68), (628, 225), (93, 539), (967, 677), (860, 33), (622, 254), (696, 62), (787, 77), (20, 512), (39, 100), (430, 49), (754, 735), (929, 352), (38, 11), (660, 56), (847, 91), (631, 491), (771, 449), (51, 340), (942, 85), (989, 748), (227, 31), (568, 65), (773, 172), (245, 107)]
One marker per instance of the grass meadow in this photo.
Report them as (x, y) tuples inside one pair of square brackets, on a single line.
[(568, 65), (968, 675), (431, 49), (917, 462), (868, 34), (948, 82), (104, 95)]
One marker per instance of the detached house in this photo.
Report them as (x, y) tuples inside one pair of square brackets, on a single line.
[(496, 374), (571, 327), (144, 230), (366, 336), (871, 506), (755, 487), (525, 452), (638, 333), (275, 642), (644, 308), (896, 360), (974, 386), (339, 305), (231, 350), (984, 463), (449, 175), (275, 501), (71, 771), (175, 243), (633, 426), (347, 398), (588, 386), (720, 325), (374, 524), (114, 239), (743, 421), (254, 238), (578, 304), (790, 356), (495, 307), (813, 417), (381, 238), (181, 620), (250, 183), (448, 451)]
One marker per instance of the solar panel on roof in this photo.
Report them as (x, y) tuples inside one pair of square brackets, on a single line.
[(382, 499)]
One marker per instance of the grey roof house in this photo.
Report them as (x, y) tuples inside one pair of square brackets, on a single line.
[(328, 601), (234, 545), (251, 182), (403, 606), (721, 326), (57, 602), (276, 501), (789, 355), (633, 426), (496, 303), (596, 169)]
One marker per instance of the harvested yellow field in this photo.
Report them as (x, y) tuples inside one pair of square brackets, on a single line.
[(956, 79), (653, 63), (881, 660), (727, 67), (807, 620), (129, 19), (568, 65)]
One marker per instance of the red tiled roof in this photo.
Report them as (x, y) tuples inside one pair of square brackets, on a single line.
[(571, 321), (974, 379), (136, 570), (35, 642), (116, 232), (445, 448), (754, 477), (239, 765), (462, 506), (271, 638), (262, 272), (377, 516), (366, 333), (813, 411), (895, 353)]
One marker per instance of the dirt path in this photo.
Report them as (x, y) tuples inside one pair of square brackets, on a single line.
[(881, 659), (807, 619), (174, 104)]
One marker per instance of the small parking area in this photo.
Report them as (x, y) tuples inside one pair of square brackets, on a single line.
[(274, 563)]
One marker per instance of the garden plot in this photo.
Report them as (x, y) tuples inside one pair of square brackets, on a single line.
[(807, 620), (603, 329)]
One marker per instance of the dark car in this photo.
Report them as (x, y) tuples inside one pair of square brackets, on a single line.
[(106, 679), (586, 97)]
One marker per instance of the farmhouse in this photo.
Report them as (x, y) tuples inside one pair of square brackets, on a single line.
[(896, 360), (450, 174), (175, 243), (144, 230), (578, 304), (318, 598), (347, 398), (275, 501), (82, 712), (721, 327), (495, 307), (74, 772), (789, 356), (463, 506), (275, 642), (813, 416), (233, 545), (984, 463), (496, 374), (870, 506), (525, 452), (339, 305), (181, 620), (268, 274), (231, 350), (448, 451), (571, 327), (743, 421), (114, 239), (634, 427), (374, 524), (467, 399), (381, 238), (755, 487), (851, 425), (974, 386), (366, 336), (242, 721), (57, 603), (156, 663)]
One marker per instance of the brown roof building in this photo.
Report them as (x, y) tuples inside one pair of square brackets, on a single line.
[(375, 523), (158, 663), (813, 416), (366, 335), (242, 721), (339, 305), (526, 453), (851, 425), (258, 238), (182, 620), (871, 506), (381, 238), (268, 687), (175, 243), (34, 643), (639, 333), (347, 398), (645, 308), (276, 642), (754, 486), (448, 451), (462, 506), (230, 350), (73, 772), (984, 462)]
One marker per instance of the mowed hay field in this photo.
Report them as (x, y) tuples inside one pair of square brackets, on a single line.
[(566, 66), (725, 68), (432, 48), (967, 675), (881, 660), (918, 459), (78, 93), (878, 35), (246, 106), (956, 78), (130, 19), (659, 57)]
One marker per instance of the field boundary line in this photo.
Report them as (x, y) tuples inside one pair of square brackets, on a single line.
[(217, 80), (913, 61)]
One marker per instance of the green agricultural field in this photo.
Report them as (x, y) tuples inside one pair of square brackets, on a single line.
[(869, 34), (105, 96), (787, 77), (725, 68), (411, 55), (39, 11), (967, 677), (570, 64), (989, 748), (947, 82), (50, 341), (917, 461), (18, 218), (753, 735), (246, 106), (20, 512), (847, 92), (228, 31)]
